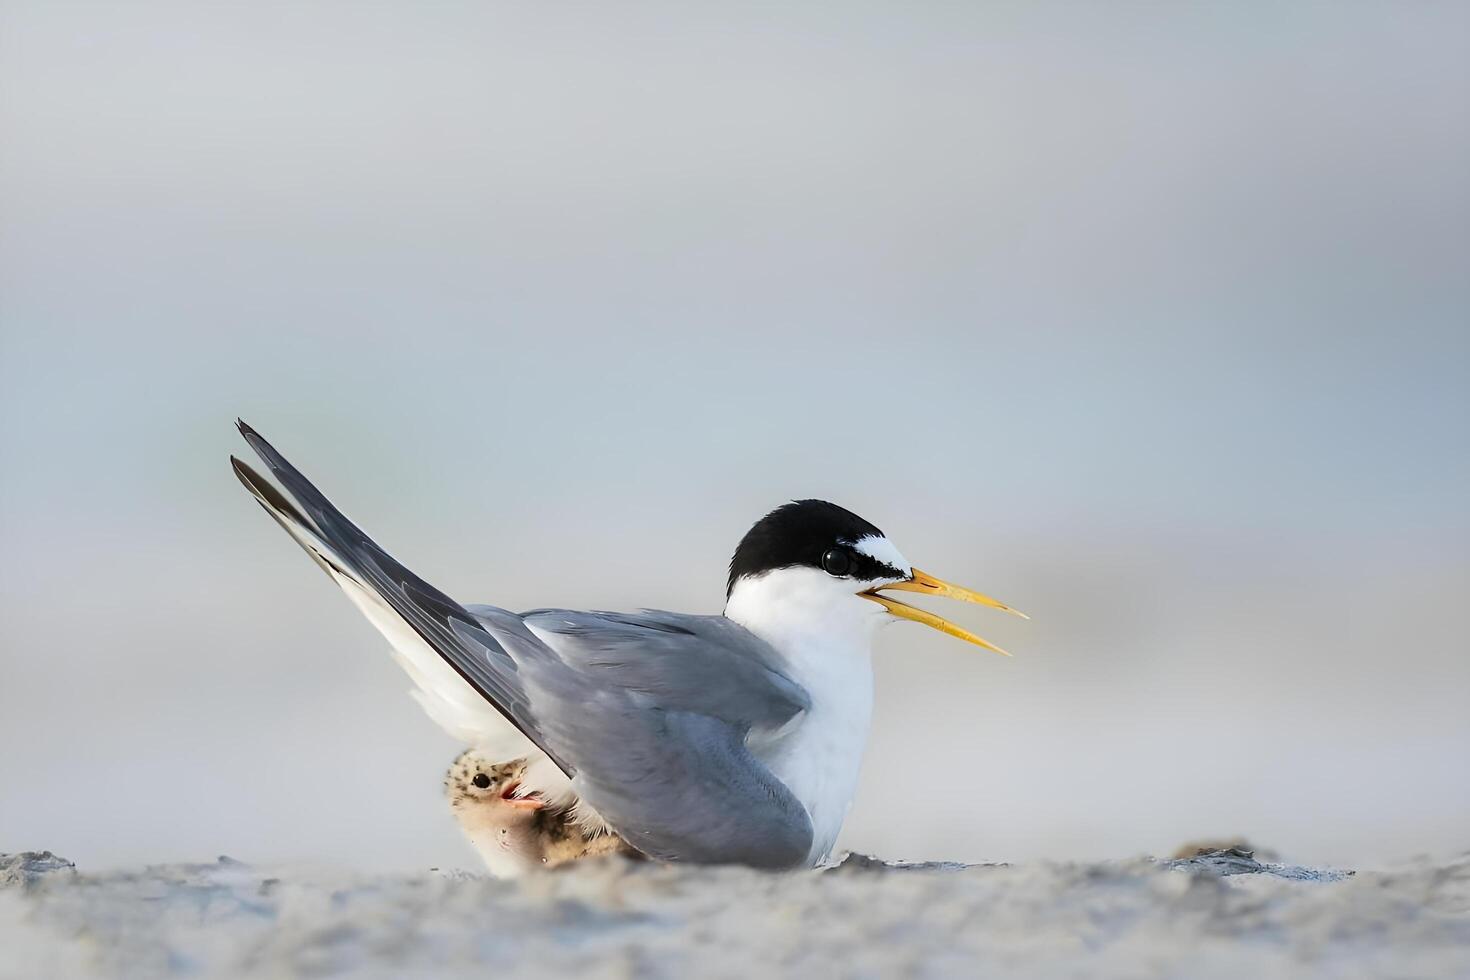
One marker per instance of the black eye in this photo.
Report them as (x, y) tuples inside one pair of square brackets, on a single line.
[(836, 561), (481, 780)]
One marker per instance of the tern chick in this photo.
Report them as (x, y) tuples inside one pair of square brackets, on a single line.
[(514, 833)]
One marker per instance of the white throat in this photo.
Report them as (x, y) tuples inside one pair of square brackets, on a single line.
[(824, 630)]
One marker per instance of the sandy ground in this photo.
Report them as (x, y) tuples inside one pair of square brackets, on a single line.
[(1219, 916)]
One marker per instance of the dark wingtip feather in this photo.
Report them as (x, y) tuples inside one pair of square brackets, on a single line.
[(244, 473), (278, 464), (256, 440), (266, 491)]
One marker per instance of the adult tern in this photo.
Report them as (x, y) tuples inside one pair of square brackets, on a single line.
[(729, 739)]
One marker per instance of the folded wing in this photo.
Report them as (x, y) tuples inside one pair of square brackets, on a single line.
[(653, 709)]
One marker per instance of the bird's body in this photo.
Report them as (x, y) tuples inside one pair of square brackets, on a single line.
[(734, 738)]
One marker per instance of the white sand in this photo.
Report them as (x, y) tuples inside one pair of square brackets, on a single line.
[(615, 918)]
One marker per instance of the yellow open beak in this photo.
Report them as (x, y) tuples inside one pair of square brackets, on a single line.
[(927, 584)]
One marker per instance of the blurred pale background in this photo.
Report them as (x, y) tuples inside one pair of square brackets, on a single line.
[(1150, 319)]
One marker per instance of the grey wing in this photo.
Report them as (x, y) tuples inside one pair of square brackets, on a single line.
[(652, 711)]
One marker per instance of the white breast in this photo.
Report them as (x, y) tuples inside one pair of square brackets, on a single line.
[(826, 635), (819, 760)]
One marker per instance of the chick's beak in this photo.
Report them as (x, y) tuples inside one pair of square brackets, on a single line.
[(927, 584)]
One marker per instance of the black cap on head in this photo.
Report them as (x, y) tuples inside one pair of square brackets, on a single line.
[(808, 532)]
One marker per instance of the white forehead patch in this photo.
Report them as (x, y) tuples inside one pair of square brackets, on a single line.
[(878, 547)]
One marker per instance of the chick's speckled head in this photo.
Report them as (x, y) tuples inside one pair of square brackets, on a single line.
[(473, 779)]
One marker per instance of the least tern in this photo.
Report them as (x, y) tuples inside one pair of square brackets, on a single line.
[(514, 833), (728, 739)]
